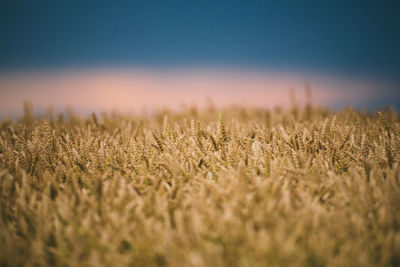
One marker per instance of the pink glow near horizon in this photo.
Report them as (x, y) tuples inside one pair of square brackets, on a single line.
[(133, 91)]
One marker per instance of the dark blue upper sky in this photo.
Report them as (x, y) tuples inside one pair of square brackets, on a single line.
[(360, 37)]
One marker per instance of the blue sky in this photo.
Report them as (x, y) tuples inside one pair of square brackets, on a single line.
[(351, 38), (339, 36)]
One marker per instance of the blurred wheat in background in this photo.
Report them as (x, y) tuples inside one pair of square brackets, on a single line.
[(231, 187)]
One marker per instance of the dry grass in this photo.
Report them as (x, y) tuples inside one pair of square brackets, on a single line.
[(305, 187)]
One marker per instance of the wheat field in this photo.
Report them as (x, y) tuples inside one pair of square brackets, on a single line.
[(231, 187)]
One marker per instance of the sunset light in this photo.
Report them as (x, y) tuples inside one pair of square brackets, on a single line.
[(206, 133)]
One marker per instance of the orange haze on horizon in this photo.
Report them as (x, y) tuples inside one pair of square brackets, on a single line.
[(137, 90)]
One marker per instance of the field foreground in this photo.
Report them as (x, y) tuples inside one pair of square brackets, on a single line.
[(304, 187)]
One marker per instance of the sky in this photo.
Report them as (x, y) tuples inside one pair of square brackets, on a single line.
[(93, 44)]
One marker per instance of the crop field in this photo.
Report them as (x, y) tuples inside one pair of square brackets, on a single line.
[(214, 187)]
